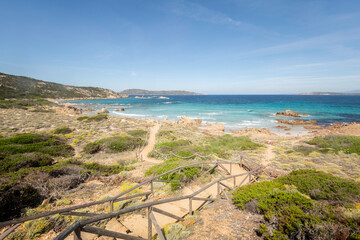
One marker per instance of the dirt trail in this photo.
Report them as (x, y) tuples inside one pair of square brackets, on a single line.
[(150, 145), (268, 155), (137, 223)]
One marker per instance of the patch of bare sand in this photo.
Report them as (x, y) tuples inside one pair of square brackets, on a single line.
[(222, 220)]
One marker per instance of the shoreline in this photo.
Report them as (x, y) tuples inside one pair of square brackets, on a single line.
[(281, 130)]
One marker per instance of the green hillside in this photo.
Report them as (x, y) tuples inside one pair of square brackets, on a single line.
[(12, 86)]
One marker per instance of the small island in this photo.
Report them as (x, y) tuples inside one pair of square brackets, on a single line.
[(162, 92)]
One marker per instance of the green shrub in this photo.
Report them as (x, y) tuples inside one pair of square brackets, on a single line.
[(18, 161), (320, 185), (31, 150), (306, 150), (230, 142), (38, 227), (336, 143), (92, 147), (222, 146), (121, 144), (95, 118), (106, 170), (172, 146), (25, 143), (296, 216), (256, 191), (63, 130), (187, 174), (137, 133), (114, 144)]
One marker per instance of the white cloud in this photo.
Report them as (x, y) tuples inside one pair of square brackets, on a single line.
[(200, 13)]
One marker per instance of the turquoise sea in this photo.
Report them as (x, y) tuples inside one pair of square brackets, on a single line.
[(234, 111)]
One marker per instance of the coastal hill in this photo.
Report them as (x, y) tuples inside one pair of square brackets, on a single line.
[(147, 92), (12, 86), (331, 93)]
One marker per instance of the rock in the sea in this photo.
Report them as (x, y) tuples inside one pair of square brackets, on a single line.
[(102, 111), (288, 113), (120, 110), (161, 97), (296, 122), (89, 110)]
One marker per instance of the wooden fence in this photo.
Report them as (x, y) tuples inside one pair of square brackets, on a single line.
[(79, 226)]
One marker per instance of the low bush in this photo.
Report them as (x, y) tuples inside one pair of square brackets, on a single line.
[(336, 143), (106, 170), (290, 214), (63, 130), (16, 162), (137, 133), (95, 118), (25, 143), (324, 186), (114, 144), (222, 146), (176, 178)]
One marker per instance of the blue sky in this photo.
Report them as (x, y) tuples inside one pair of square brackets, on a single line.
[(208, 46)]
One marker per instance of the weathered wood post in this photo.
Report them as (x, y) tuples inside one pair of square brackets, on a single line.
[(149, 224), (234, 181), (190, 206), (111, 205), (77, 234), (152, 186)]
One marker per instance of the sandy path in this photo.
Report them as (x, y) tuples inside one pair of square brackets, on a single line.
[(137, 223), (268, 155), (150, 145)]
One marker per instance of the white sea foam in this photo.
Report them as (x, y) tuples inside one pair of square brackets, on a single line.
[(129, 114), (211, 113)]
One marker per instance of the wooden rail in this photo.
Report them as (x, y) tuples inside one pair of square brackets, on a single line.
[(79, 225), (78, 228), (108, 200)]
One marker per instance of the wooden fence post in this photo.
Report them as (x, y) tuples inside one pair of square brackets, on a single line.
[(190, 206), (111, 205), (234, 181), (77, 234), (149, 224), (152, 186)]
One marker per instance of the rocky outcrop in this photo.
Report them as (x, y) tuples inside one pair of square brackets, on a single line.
[(68, 109), (296, 122), (213, 129), (120, 110), (189, 122), (289, 113), (102, 111), (253, 131), (89, 110)]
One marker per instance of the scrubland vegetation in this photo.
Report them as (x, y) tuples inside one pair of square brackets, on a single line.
[(171, 142), (306, 204)]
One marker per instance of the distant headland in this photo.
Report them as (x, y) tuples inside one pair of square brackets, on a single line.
[(331, 93), (162, 92)]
